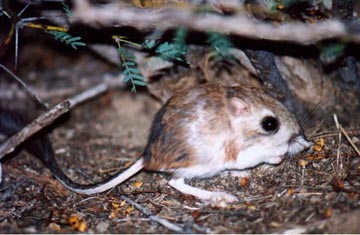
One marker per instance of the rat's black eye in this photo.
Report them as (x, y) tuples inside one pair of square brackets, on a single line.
[(270, 124)]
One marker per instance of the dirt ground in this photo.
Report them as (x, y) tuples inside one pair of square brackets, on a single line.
[(314, 192)]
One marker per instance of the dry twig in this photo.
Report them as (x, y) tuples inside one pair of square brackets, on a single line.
[(171, 226), (49, 117), (39, 123), (28, 90), (342, 130), (338, 152)]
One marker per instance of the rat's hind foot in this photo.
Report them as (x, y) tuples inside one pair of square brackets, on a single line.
[(217, 198), (222, 198)]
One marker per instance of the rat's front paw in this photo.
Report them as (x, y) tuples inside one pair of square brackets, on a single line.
[(221, 199)]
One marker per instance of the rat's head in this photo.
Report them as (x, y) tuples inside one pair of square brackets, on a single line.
[(265, 129)]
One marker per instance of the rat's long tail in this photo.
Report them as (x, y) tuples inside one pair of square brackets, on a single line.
[(100, 187), (40, 147)]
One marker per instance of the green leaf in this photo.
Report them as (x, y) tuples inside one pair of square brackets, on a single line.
[(137, 76), (128, 78), (165, 47), (65, 37), (59, 35), (149, 43), (67, 11), (170, 51), (74, 39), (221, 44), (129, 63), (131, 70), (79, 43), (180, 40), (139, 83), (74, 44), (331, 52)]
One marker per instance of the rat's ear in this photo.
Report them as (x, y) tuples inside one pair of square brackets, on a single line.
[(238, 107)]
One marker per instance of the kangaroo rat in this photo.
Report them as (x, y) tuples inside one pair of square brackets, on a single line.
[(202, 131)]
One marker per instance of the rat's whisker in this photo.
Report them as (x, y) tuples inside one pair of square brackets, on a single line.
[(306, 118), (316, 133)]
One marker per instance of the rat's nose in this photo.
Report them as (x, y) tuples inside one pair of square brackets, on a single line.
[(309, 144), (299, 138), (306, 144), (298, 143)]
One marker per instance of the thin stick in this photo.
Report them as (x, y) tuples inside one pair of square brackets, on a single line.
[(346, 135), (0, 173), (171, 226), (349, 139), (24, 9), (302, 177), (28, 90), (88, 94), (16, 45), (315, 129), (49, 117), (338, 153)]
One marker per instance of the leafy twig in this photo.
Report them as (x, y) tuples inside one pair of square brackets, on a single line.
[(131, 72), (170, 51), (67, 38), (149, 43), (67, 11), (221, 45)]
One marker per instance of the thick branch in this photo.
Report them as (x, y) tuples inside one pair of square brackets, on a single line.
[(241, 25)]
